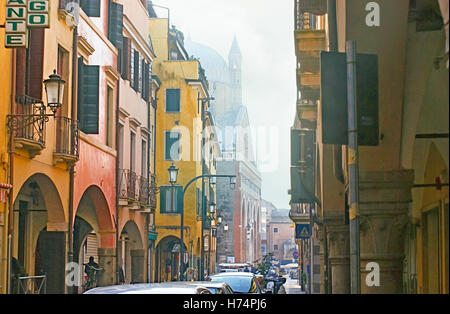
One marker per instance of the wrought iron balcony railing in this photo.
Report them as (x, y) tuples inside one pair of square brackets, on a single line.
[(136, 188), (127, 184), (154, 190), (144, 190), (28, 124), (67, 137)]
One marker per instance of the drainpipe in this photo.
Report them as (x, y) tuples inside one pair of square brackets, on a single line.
[(11, 174), (155, 107), (72, 167), (117, 180), (148, 174)]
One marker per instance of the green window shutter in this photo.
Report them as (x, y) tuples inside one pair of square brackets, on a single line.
[(125, 62), (179, 196), (162, 200), (172, 146), (172, 100), (91, 7), (88, 97), (136, 66), (145, 88), (115, 24)]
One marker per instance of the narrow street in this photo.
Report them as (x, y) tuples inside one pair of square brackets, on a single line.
[(292, 287)]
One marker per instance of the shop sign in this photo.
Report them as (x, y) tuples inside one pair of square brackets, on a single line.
[(22, 15)]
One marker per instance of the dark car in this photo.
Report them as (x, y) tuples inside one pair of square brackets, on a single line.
[(152, 288), (214, 287), (240, 282)]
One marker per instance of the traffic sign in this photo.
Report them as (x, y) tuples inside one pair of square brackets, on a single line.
[(302, 231), (295, 255)]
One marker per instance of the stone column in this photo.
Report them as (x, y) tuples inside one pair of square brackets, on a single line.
[(338, 235), (107, 261), (137, 266), (322, 259), (384, 203)]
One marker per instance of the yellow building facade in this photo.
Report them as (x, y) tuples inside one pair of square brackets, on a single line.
[(5, 100), (42, 151), (178, 133)]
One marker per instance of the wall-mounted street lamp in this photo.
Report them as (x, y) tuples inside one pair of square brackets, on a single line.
[(173, 176), (225, 227), (212, 208), (219, 219), (54, 88), (35, 111)]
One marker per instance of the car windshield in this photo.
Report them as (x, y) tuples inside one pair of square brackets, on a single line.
[(215, 290), (237, 283)]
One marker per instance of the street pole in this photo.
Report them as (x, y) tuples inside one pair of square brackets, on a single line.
[(355, 276), (202, 157), (180, 268)]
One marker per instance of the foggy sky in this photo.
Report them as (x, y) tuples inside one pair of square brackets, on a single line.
[(265, 32)]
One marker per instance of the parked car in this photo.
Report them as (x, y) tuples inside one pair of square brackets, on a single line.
[(214, 287), (240, 282), (153, 288)]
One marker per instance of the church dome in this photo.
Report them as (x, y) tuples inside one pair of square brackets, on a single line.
[(214, 64)]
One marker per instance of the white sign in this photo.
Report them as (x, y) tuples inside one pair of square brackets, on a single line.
[(21, 15)]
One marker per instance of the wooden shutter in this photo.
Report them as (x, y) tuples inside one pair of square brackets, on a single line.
[(21, 70), (162, 201), (172, 100), (88, 97), (136, 70), (132, 65), (115, 25), (35, 62), (126, 52), (91, 7)]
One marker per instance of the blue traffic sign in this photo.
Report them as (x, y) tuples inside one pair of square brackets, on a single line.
[(302, 231), (295, 255)]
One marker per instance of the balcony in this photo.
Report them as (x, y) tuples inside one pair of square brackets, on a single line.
[(136, 192), (127, 184), (67, 141), (154, 190), (300, 213), (28, 125)]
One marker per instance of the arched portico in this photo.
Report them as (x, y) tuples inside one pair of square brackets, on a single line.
[(40, 231)]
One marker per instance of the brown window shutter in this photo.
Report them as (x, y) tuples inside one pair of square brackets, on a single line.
[(21, 70), (35, 62)]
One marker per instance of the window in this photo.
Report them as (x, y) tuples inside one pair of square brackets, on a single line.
[(275, 230), (110, 117), (144, 171), (172, 100), (275, 247), (171, 199), (115, 25), (91, 7), (172, 146), (133, 152), (121, 148), (132, 65), (63, 71), (88, 97)]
